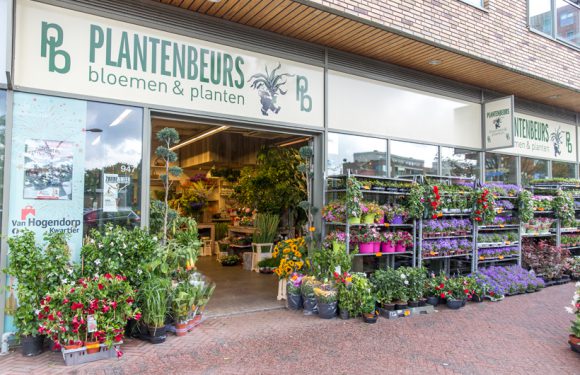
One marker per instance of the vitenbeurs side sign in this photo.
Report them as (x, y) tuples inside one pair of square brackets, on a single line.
[(498, 123), (73, 52)]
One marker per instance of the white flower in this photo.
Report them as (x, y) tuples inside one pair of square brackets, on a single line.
[(155, 239), (92, 240), (112, 243), (64, 281), (406, 282), (124, 246), (36, 312), (100, 246), (70, 271), (139, 272), (97, 262), (569, 309), (403, 276)]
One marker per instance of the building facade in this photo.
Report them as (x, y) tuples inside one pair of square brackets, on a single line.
[(384, 88)]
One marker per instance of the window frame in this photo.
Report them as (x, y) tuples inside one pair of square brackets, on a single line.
[(554, 34)]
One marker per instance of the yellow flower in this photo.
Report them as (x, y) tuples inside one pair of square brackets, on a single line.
[(294, 248), (286, 251), (348, 279)]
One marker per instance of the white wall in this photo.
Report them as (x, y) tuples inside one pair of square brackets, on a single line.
[(368, 106), (3, 38)]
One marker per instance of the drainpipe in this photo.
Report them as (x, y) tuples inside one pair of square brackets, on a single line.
[(5, 342)]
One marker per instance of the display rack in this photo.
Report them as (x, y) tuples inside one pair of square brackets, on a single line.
[(372, 261)]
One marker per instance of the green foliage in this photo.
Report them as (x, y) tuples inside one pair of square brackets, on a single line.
[(526, 206), (354, 197), (118, 250), (168, 136), (414, 202), (154, 298), (274, 185), (266, 228), (156, 212), (269, 262), (221, 231), (563, 206), (326, 261), (183, 298), (384, 283)]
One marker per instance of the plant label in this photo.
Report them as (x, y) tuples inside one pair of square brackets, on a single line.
[(91, 324)]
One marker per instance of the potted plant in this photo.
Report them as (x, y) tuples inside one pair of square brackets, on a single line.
[(334, 212), (154, 298), (372, 213), (337, 240), (417, 279), (263, 238), (293, 295), (353, 291), (267, 265), (369, 312), (383, 282), (402, 240), (354, 199), (182, 299), (326, 300), (366, 238), (400, 289), (308, 297), (229, 260), (435, 289), (387, 242), (414, 202), (574, 338), (457, 293)]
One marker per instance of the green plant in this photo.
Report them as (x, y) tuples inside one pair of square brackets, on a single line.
[(526, 206), (268, 263), (229, 260), (353, 291), (154, 298), (417, 278), (266, 228), (326, 294), (308, 285), (384, 282), (167, 137), (353, 197), (156, 213), (563, 206), (306, 167), (221, 231), (327, 261), (182, 300), (414, 201)]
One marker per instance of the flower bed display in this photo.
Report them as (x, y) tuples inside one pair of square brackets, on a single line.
[(497, 239), (499, 189), (510, 280), (445, 227), (574, 308), (497, 252), (446, 247), (546, 260)]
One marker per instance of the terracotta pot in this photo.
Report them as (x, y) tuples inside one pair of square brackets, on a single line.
[(574, 340), (181, 329), (69, 347), (93, 347)]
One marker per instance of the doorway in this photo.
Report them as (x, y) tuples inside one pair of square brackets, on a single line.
[(217, 160)]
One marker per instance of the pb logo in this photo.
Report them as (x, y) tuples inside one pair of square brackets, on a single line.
[(52, 37), (301, 90)]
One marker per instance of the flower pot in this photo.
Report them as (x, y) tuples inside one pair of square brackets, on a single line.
[(181, 329), (397, 219), (381, 220), (327, 310), (354, 220), (310, 306), (573, 340), (338, 245), (368, 219), (389, 306), (433, 300), (455, 304), (376, 247), (344, 315), (400, 248), (463, 302), (476, 298), (31, 345), (366, 248), (413, 303), (157, 335), (370, 318), (294, 301), (422, 302), (93, 347), (387, 247), (401, 305)]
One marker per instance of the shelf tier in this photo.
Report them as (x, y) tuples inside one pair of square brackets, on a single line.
[(371, 177), (543, 212), (445, 237), (378, 192), (570, 247), (568, 230), (383, 254), (532, 235), (506, 197), (479, 247), (493, 260), (499, 227), (372, 225), (461, 214), (446, 257)]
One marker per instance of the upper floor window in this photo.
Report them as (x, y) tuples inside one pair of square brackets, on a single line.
[(477, 3), (559, 19)]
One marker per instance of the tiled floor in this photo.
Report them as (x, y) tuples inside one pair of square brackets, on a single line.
[(238, 290)]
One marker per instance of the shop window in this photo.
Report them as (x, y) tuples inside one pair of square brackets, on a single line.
[(413, 159), (360, 155), (112, 165), (459, 162), (501, 168), (541, 15), (533, 169), (563, 170)]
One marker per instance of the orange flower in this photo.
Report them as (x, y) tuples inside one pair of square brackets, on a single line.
[(312, 229)]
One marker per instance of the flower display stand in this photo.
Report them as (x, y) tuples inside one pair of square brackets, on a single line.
[(260, 251), (282, 289), (394, 314), (79, 356)]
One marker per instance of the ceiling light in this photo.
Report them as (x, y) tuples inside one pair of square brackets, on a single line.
[(301, 140), (198, 137), (121, 117), (434, 62)]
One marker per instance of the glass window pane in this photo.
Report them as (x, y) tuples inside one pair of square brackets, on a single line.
[(459, 162), (362, 155), (568, 22), (2, 145), (563, 170), (477, 3), (533, 169), (413, 159), (500, 168), (541, 15), (112, 165)]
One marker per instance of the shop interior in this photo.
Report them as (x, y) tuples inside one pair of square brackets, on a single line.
[(222, 166)]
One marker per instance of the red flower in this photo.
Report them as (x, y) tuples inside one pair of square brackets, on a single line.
[(118, 338), (108, 276), (72, 290), (59, 314), (106, 308), (441, 286), (65, 301), (130, 300), (51, 317), (100, 286), (47, 299), (435, 189), (56, 345), (491, 294), (46, 309), (119, 354), (137, 316), (466, 291), (434, 216), (114, 305), (41, 329), (442, 295)]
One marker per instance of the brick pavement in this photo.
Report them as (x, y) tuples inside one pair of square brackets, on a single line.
[(521, 335)]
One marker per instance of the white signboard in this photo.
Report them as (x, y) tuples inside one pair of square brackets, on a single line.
[(110, 192), (3, 38), (498, 123), (543, 139), (73, 52)]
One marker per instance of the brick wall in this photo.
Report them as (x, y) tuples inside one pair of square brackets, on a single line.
[(499, 35)]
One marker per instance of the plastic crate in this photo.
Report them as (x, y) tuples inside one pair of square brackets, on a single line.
[(79, 356)]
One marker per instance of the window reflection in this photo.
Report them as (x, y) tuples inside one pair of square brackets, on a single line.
[(409, 159), (533, 169), (563, 170), (568, 22), (541, 18), (112, 165), (360, 155), (459, 162), (502, 168)]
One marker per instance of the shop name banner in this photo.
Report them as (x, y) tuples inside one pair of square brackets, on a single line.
[(68, 51), (498, 123), (3, 38), (543, 139)]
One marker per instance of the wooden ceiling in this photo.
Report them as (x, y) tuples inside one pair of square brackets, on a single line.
[(310, 24)]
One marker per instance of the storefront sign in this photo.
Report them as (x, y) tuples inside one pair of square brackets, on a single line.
[(498, 123), (47, 167), (72, 52), (543, 139), (3, 38)]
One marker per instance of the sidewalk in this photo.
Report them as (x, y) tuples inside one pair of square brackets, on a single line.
[(525, 334)]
